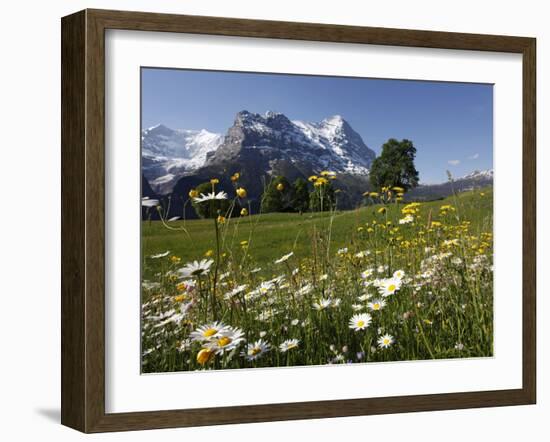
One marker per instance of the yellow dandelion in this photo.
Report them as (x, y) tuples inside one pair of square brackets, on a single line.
[(175, 259), (312, 178), (209, 253), (241, 192), (244, 212), (280, 187), (221, 219), (205, 355), (235, 176), (381, 210), (193, 193)]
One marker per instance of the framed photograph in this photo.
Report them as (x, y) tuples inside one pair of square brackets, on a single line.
[(267, 221)]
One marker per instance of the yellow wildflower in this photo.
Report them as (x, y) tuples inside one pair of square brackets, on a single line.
[(241, 192), (204, 356), (193, 193), (244, 212), (280, 187)]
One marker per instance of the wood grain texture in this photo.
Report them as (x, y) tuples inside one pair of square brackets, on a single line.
[(83, 219), (73, 253)]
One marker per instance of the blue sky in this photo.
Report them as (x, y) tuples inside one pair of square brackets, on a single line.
[(451, 124)]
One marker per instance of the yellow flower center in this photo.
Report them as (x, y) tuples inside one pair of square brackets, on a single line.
[(209, 332), (376, 306), (391, 288), (223, 341), (255, 351), (360, 323), (386, 341)]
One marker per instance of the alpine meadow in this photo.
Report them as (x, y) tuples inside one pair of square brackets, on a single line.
[(288, 241)]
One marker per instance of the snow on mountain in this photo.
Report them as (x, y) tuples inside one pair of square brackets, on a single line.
[(485, 175), (330, 144), (295, 147), (168, 154)]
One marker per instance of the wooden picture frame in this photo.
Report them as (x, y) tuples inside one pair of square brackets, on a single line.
[(83, 220)]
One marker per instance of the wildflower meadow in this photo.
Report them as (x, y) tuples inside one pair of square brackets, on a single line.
[(392, 280)]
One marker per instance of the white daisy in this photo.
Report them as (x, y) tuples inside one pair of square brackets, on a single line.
[(284, 258), (256, 270), (406, 220), (399, 274), (208, 331), (323, 277), (389, 286), (289, 344), (322, 304), (210, 196), (262, 289), (385, 341), (377, 304), (237, 290), (256, 350), (360, 321), (196, 268), (227, 340), (160, 255), (304, 290), (362, 254), (382, 269), (365, 297), (367, 273), (147, 202)]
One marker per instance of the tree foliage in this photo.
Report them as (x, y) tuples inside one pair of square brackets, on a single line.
[(300, 199), (395, 165), (277, 196)]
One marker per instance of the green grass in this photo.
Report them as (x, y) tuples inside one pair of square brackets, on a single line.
[(443, 307), (274, 234)]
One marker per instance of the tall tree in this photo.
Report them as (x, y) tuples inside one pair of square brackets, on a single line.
[(395, 165)]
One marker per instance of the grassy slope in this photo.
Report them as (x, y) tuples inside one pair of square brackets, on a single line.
[(278, 233)]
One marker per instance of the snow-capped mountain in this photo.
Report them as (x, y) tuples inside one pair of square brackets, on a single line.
[(264, 145), (478, 175), (330, 144), (471, 181), (168, 154)]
